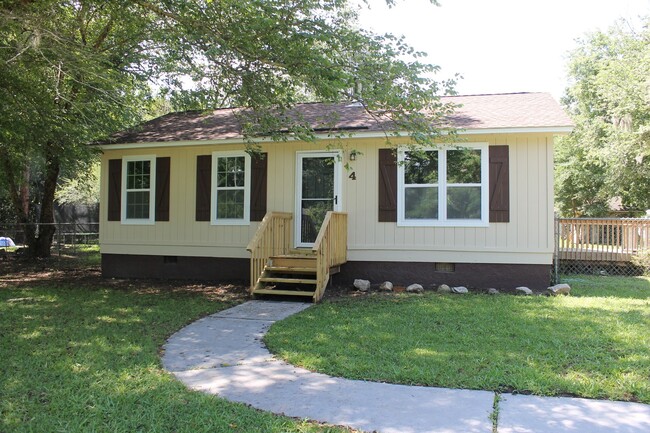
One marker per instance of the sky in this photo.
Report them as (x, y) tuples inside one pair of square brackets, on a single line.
[(500, 46)]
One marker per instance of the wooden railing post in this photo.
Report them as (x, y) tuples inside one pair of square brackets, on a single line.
[(602, 239), (330, 248), (273, 237)]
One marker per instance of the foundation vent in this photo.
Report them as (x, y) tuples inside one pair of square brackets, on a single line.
[(445, 267)]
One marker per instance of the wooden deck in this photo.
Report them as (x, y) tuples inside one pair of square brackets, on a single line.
[(601, 239)]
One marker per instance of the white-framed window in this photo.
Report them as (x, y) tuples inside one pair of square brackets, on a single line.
[(443, 186), (138, 189), (231, 184)]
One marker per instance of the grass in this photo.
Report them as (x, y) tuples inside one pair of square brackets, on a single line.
[(79, 353), (595, 343)]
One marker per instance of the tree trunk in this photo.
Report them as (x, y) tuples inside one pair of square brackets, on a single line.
[(43, 242)]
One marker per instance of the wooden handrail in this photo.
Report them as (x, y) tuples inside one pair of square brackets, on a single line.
[(330, 248), (602, 239), (273, 237)]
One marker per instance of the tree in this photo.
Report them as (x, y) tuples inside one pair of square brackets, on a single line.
[(76, 70), (608, 154)]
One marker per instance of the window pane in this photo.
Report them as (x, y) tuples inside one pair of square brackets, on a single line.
[(464, 166), (421, 203), (421, 168), (464, 202), (138, 174), (137, 205), (230, 204), (230, 171)]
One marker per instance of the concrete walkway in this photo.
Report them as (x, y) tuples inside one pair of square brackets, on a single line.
[(223, 354)]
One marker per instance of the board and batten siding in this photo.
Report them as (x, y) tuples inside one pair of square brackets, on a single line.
[(526, 239)]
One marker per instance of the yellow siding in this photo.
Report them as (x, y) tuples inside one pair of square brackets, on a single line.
[(527, 238)]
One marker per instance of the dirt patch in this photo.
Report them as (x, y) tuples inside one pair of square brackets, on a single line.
[(49, 272)]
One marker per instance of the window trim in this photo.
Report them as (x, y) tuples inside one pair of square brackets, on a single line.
[(247, 189), (443, 221), (152, 190)]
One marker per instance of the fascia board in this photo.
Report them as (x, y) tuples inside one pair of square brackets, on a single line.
[(374, 134)]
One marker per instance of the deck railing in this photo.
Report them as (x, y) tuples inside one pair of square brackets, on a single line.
[(273, 237), (330, 247), (602, 239)]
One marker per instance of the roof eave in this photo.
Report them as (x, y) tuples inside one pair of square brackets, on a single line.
[(374, 134)]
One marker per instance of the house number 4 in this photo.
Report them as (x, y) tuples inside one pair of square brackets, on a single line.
[(353, 176)]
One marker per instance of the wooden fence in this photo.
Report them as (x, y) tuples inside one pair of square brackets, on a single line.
[(601, 239)]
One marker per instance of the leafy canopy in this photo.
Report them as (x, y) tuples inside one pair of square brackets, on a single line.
[(608, 154), (75, 71)]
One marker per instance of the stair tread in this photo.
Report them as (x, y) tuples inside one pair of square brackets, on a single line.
[(282, 292), (287, 280), (290, 269), (295, 256)]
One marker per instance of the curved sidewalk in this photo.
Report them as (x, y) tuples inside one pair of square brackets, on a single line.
[(223, 354)]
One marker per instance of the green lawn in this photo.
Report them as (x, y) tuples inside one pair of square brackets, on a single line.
[(83, 356), (594, 343)]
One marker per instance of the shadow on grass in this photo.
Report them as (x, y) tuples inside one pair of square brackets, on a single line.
[(85, 358), (596, 344)]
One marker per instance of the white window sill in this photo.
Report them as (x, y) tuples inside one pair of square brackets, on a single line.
[(139, 222), (230, 223), (448, 223)]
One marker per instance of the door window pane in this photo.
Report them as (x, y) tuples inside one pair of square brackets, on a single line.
[(313, 215), (318, 177)]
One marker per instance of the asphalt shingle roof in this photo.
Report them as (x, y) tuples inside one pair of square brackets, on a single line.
[(475, 112)]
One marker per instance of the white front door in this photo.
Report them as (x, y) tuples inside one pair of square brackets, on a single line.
[(318, 190)]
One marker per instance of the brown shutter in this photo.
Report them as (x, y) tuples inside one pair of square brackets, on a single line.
[(114, 189), (203, 187), (259, 170), (499, 185), (162, 188), (387, 185)]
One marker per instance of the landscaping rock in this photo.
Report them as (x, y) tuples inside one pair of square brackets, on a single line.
[(415, 288), (461, 290), (386, 286), (443, 288), (493, 291), (524, 291), (362, 285), (559, 289)]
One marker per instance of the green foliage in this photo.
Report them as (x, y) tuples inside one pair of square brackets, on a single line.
[(594, 343), (608, 154), (642, 259), (77, 70), (80, 189)]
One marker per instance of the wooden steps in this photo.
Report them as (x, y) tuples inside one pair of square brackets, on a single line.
[(291, 274), (286, 280), (279, 269), (283, 292)]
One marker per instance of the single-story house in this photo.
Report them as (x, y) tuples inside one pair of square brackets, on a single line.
[(182, 199)]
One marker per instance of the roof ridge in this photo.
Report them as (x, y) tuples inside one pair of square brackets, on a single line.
[(498, 94)]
